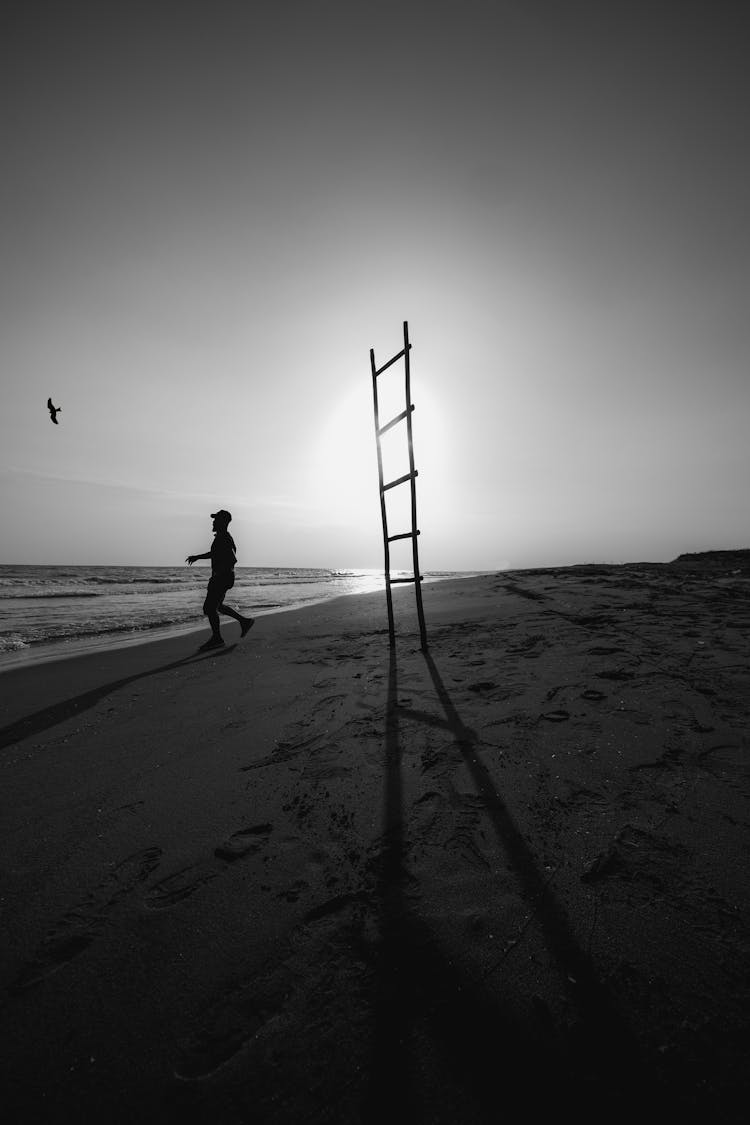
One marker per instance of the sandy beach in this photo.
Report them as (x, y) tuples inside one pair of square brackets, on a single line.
[(316, 879)]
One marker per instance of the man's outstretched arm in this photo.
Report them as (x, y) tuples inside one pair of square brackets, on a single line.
[(194, 558)]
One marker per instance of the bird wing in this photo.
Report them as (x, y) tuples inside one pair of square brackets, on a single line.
[(49, 404)]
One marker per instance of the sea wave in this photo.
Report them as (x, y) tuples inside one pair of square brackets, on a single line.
[(58, 594), (59, 606), (11, 642), (137, 580)]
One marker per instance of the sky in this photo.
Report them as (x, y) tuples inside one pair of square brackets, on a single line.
[(210, 212)]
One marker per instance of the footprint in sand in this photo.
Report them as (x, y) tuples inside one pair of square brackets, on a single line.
[(256, 1014), (174, 888), (233, 1020), (78, 928), (184, 883), (244, 842), (558, 716), (292, 893)]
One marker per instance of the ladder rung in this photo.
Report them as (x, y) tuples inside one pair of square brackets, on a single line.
[(390, 362), (399, 418), (403, 535), (394, 581), (401, 480)]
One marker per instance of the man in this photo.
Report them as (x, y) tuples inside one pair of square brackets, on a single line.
[(223, 558)]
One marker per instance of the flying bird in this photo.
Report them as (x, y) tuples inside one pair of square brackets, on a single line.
[(53, 411)]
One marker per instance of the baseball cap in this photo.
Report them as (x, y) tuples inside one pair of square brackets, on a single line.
[(223, 515)]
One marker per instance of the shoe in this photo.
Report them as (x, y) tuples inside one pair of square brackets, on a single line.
[(212, 642), (246, 624)]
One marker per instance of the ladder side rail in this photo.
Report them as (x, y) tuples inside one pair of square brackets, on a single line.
[(383, 510), (413, 475)]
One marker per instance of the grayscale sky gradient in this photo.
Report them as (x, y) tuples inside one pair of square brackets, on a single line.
[(209, 212)]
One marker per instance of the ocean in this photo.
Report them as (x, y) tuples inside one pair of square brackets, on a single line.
[(52, 611)]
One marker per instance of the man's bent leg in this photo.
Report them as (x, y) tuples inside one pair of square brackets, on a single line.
[(245, 622)]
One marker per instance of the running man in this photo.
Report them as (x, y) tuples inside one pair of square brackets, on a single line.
[(223, 558)]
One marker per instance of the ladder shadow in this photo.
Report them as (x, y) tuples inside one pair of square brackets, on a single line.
[(486, 1054)]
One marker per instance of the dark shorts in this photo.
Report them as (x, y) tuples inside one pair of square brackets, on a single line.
[(218, 584)]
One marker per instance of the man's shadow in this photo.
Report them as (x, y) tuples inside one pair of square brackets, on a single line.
[(48, 717), (491, 1061)]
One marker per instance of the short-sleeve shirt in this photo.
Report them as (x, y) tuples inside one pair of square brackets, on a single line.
[(223, 557)]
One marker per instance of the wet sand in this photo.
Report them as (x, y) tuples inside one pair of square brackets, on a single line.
[(314, 879)]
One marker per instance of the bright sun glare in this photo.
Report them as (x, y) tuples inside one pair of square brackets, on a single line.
[(345, 468)]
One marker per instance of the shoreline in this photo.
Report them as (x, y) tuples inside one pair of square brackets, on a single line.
[(68, 649), (53, 685), (273, 882), (729, 562), (55, 651)]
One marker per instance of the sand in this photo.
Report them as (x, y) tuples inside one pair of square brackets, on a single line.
[(314, 879)]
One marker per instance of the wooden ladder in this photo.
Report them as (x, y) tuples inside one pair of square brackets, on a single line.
[(411, 476)]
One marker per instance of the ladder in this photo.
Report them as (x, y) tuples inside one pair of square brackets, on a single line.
[(410, 477)]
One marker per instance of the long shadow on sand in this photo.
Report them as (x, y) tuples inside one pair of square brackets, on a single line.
[(485, 1063), (58, 712)]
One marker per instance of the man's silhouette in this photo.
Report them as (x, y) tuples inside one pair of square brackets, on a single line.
[(223, 558)]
